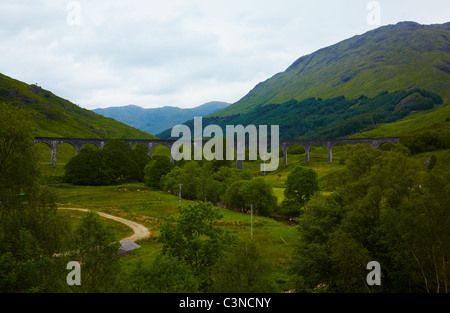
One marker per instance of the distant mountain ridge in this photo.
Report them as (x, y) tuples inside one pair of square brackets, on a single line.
[(404, 56), (156, 120)]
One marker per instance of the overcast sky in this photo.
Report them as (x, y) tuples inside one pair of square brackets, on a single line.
[(152, 53)]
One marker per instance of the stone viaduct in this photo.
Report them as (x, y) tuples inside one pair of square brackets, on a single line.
[(330, 143), (78, 143)]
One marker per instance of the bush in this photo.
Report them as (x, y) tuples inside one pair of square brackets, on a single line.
[(165, 275), (240, 194), (243, 270), (301, 184), (194, 240), (427, 141), (296, 149)]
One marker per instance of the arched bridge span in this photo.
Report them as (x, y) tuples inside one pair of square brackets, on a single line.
[(78, 143)]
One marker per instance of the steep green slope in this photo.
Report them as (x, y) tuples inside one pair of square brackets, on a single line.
[(395, 57), (331, 118), (53, 116)]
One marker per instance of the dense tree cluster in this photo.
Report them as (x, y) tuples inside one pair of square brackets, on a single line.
[(387, 208), (211, 182), (18, 160), (95, 246), (116, 162)]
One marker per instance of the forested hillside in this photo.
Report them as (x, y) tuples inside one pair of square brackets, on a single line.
[(331, 118)]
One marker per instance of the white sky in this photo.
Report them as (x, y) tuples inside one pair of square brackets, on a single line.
[(152, 53)]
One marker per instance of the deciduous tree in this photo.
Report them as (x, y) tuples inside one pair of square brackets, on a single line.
[(194, 240), (96, 247), (157, 169), (18, 159), (89, 167)]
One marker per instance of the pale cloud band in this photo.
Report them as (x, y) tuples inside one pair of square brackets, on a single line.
[(178, 52)]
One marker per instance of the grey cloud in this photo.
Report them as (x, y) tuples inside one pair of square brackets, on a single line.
[(177, 52)]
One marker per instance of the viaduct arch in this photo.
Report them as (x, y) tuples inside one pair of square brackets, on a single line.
[(330, 143), (78, 143)]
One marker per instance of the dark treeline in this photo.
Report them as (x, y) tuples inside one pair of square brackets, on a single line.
[(115, 163), (427, 141)]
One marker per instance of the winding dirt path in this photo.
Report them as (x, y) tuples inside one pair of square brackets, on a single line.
[(140, 231)]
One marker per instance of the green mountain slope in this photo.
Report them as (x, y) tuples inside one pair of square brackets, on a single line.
[(331, 118), (56, 117), (156, 120), (391, 58)]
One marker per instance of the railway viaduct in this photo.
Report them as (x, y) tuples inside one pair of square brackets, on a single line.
[(78, 143)]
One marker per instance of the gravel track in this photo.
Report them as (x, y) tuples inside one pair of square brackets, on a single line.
[(140, 231)]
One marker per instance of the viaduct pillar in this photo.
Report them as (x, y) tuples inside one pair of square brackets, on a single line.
[(307, 153), (53, 147)]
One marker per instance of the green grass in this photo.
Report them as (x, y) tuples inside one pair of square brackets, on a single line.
[(151, 208), (279, 193), (318, 162)]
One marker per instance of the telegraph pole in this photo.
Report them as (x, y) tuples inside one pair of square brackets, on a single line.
[(179, 194), (251, 221)]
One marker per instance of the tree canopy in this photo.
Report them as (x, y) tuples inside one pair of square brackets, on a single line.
[(194, 240), (116, 162), (387, 208), (18, 159), (301, 184), (31, 231)]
